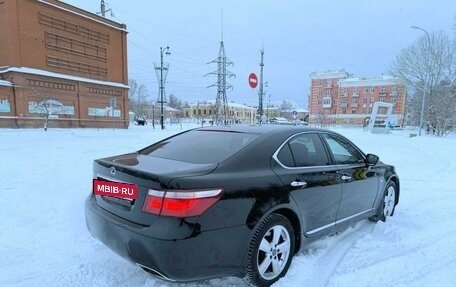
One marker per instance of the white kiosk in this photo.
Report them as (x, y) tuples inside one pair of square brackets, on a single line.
[(384, 127)]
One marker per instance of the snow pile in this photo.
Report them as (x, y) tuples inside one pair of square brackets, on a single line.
[(46, 176)]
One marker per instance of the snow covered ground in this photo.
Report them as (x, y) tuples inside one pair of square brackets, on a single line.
[(46, 176)]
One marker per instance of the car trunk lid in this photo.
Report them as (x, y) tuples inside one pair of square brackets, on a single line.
[(146, 172)]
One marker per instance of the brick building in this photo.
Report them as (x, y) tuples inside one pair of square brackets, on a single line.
[(60, 60), (337, 98), (238, 113)]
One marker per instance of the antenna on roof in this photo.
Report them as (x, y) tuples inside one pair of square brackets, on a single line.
[(103, 9)]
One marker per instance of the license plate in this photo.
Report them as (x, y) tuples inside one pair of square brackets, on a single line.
[(115, 189)]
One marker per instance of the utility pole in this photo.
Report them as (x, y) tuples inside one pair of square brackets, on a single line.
[(260, 92), (161, 73)]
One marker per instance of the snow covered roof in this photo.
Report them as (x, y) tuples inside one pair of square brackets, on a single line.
[(230, 104), (39, 72), (170, 109), (329, 75), (368, 81), (5, 83), (84, 16)]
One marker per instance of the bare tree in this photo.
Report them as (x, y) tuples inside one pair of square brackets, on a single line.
[(429, 66), (47, 106), (138, 97), (442, 108), (174, 102), (286, 106), (50, 107)]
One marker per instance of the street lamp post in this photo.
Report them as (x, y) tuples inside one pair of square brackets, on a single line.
[(425, 84), (162, 84)]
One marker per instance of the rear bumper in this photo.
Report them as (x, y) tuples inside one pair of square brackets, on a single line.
[(201, 256)]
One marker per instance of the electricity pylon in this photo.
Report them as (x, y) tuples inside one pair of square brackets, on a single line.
[(221, 102)]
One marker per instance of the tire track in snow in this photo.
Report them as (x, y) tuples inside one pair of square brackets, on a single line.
[(411, 266), (315, 266)]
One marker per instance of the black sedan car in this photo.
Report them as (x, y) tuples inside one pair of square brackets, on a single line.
[(238, 200)]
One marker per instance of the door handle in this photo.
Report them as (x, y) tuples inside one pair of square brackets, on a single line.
[(298, 183), (346, 178)]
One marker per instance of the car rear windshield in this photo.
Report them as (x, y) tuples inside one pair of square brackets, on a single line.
[(201, 146)]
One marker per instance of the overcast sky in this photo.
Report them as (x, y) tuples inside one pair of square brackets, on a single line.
[(299, 37)]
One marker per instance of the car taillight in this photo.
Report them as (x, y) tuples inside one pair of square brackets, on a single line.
[(180, 203)]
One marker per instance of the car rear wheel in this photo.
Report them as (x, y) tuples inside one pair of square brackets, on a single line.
[(388, 204), (271, 250)]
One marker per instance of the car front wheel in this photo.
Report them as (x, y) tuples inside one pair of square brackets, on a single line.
[(389, 200), (388, 204), (271, 250)]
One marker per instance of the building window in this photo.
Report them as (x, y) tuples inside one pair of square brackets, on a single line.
[(326, 101), (328, 83), (371, 89), (355, 100), (328, 93), (319, 102), (382, 100), (346, 91), (321, 82), (364, 110), (355, 91), (353, 111), (366, 89), (364, 100), (319, 93), (394, 88), (393, 100), (344, 111), (371, 100), (383, 89)]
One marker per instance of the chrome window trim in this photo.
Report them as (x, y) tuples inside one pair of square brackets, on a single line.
[(274, 156), (324, 167)]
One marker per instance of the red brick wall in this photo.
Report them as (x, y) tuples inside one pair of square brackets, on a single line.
[(49, 38)]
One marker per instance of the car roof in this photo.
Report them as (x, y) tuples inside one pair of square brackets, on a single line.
[(260, 129)]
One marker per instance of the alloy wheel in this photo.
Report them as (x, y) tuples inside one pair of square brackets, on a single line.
[(390, 201), (273, 252)]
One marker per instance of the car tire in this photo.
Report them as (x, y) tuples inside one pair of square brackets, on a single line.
[(388, 204), (271, 251)]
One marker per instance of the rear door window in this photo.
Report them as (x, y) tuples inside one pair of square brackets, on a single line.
[(304, 150)]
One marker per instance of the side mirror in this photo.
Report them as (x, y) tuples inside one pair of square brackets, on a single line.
[(371, 159)]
